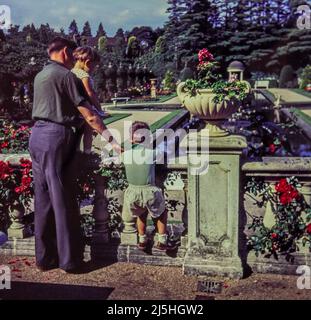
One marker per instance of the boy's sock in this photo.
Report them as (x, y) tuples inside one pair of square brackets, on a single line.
[(162, 238), (142, 238)]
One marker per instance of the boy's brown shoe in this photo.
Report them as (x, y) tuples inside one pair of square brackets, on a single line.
[(142, 246), (165, 247)]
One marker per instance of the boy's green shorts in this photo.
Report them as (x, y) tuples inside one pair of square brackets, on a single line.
[(139, 200)]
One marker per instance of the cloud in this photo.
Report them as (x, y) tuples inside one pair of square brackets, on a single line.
[(121, 18), (73, 10)]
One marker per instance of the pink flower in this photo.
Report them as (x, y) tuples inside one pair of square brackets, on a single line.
[(205, 56)]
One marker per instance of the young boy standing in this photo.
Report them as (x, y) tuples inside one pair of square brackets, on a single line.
[(143, 197)]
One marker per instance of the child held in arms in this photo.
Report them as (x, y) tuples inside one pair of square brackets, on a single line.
[(87, 60), (143, 197)]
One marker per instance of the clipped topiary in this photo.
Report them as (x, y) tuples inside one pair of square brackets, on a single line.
[(287, 77)]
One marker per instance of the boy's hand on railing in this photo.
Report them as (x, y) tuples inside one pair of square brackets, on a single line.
[(117, 148)]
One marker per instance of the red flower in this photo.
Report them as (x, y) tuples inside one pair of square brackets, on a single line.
[(272, 148), (4, 145), (274, 236), (5, 170), (86, 188), (287, 192), (25, 163), (287, 197), (26, 182), (309, 228), (19, 190), (26, 172), (283, 186)]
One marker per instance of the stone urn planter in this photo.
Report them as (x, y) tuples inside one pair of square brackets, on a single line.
[(17, 229), (202, 106)]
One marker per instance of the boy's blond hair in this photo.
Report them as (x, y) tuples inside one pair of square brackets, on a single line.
[(86, 53)]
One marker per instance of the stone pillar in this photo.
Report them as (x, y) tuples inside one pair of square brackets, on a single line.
[(100, 212), (214, 206)]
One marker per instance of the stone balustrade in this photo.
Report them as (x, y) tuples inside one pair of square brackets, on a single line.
[(210, 212)]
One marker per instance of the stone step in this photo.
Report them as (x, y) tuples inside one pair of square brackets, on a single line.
[(110, 252)]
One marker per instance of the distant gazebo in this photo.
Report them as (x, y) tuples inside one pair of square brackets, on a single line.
[(236, 70)]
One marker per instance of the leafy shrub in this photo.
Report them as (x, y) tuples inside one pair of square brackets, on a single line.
[(169, 82), (14, 138), (305, 77)]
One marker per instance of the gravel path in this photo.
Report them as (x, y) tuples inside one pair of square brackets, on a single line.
[(123, 281)]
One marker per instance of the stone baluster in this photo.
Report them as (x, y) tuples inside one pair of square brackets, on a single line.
[(100, 212), (111, 80), (129, 233), (131, 77), (121, 79)]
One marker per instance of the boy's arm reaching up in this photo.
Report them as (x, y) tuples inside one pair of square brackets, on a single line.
[(97, 124), (91, 93)]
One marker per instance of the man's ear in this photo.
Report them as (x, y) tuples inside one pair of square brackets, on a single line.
[(65, 51)]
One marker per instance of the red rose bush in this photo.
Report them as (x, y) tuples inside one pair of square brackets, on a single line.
[(292, 218)]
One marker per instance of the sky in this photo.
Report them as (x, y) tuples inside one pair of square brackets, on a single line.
[(113, 14)]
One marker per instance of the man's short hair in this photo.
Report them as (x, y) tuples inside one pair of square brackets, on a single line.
[(60, 43)]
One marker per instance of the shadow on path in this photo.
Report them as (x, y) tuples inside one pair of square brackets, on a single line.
[(42, 291)]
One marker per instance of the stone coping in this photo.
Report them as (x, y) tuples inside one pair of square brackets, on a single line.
[(279, 165), (14, 158), (288, 97)]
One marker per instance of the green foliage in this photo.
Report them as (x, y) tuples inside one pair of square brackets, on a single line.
[(229, 90), (101, 32), (87, 223), (102, 43), (115, 176), (169, 81), (131, 41), (73, 28), (87, 32), (305, 77), (115, 222), (160, 46)]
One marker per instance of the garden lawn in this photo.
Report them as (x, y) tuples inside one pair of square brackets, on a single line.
[(116, 117), (303, 92)]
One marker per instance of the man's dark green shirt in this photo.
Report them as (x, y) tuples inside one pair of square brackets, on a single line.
[(57, 94)]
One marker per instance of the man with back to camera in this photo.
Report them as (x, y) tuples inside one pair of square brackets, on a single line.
[(59, 100)]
